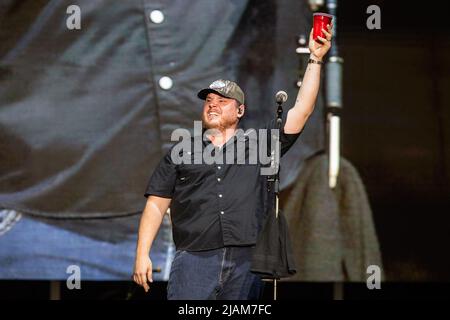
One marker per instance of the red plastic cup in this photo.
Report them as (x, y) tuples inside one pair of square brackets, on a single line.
[(320, 21)]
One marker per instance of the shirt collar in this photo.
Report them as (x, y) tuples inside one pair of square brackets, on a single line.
[(239, 135)]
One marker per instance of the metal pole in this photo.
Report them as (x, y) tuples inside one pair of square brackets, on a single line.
[(333, 88), (274, 289), (55, 290)]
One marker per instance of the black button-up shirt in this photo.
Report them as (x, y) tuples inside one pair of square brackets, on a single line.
[(219, 204)]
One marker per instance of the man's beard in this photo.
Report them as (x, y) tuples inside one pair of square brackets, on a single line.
[(221, 125)]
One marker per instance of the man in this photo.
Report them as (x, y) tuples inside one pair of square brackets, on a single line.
[(216, 209)]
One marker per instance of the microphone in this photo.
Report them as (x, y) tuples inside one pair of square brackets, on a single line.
[(281, 97)]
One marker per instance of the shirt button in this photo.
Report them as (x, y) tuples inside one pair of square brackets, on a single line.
[(218, 179), (156, 16), (220, 195), (221, 212), (165, 83)]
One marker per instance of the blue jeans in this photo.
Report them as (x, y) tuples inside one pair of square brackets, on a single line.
[(222, 274)]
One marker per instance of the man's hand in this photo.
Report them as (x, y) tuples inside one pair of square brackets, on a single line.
[(143, 272), (320, 49), (151, 220)]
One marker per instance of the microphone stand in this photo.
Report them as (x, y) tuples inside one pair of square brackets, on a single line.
[(275, 178), (277, 174)]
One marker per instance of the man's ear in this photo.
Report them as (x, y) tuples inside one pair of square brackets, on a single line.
[(241, 110)]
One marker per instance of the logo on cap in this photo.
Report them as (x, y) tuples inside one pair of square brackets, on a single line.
[(218, 84)]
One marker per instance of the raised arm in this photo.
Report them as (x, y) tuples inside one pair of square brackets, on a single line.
[(307, 94)]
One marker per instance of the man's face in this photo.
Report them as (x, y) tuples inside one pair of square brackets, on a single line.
[(220, 112)]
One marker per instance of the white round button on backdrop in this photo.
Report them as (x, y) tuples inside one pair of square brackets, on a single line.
[(166, 83), (156, 16)]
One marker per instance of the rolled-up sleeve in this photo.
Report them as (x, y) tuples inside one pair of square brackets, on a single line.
[(287, 140)]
